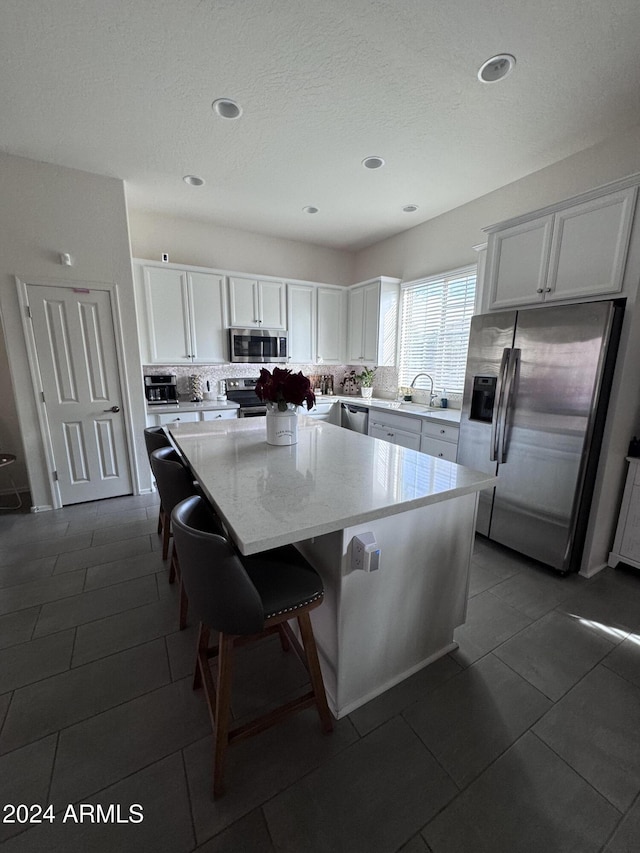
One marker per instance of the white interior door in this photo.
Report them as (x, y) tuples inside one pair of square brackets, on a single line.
[(76, 352)]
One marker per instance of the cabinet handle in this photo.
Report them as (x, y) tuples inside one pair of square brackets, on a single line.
[(539, 290), (440, 454), (441, 432), (390, 434), (547, 290)]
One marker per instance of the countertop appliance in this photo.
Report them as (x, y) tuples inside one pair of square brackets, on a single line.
[(535, 401), (161, 390), (243, 392), (257, 346), (355, 418)]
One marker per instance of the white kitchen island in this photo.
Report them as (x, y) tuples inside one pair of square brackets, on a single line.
[(373, 629)]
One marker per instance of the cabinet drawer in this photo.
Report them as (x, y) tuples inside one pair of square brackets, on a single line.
[(393, 421), (182, 417), (219, 414), (442, 449), (400, 437), (440, 430)]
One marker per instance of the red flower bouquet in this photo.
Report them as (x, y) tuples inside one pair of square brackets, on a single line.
[(284, 388)]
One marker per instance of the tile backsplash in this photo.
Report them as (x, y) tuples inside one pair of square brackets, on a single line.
[(385, 383)]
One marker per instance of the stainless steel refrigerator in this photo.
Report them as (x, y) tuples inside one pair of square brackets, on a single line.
[(535, 403)]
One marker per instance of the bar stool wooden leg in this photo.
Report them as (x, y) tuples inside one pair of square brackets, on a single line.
[(173, 569), (284, 640), (160, 520), (315, 673), (166, 533), (184, 607), (202, 656), (223, 709)]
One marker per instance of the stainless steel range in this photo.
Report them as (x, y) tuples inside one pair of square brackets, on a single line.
[(243, 392)]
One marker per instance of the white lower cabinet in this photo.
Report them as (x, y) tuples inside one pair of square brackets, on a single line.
[(161, 419), (322, 411), (396, 429), (216, 415), (428, 435), (440, 439), (395, 436), (626, 547)]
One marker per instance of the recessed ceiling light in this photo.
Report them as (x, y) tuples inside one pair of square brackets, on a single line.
[(193, 180), (496, 68), (226, 108), (410, 208), (373, 162), (310, 209)]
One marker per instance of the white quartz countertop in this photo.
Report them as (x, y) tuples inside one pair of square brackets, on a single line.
[(451, 416), (205, 406), (331, 479)]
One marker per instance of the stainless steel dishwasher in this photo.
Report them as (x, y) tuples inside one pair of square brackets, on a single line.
[(355, 418)]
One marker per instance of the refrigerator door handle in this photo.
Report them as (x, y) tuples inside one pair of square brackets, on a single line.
[(496, 418), (514, 361)]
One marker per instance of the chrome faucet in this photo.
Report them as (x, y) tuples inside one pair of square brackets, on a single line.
[(432, 396)]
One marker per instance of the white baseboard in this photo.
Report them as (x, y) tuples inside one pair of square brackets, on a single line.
[(592, 571)]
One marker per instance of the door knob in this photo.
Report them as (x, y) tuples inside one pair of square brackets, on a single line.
[(113, 409)]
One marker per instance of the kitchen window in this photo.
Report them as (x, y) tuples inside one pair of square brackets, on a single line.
[(435, 315)]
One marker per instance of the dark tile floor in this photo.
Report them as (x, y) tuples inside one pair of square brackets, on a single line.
[(526, 738)]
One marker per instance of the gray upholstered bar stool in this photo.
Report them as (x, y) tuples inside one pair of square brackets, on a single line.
[(154, 439), (244, 599), (175, 483)]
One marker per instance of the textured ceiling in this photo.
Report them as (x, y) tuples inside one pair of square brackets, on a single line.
[(125, 87)]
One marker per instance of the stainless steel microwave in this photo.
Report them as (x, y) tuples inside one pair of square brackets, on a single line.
[(258, 346)]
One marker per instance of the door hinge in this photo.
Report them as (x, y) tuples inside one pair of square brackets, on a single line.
[(55, 475), (27, 310), (42, 395)]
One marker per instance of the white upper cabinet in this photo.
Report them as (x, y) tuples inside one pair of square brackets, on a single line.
[(207, 293), (589, 247), (332, 310), (257, 303), (316, 323), (574, 251), (518, 260), (185, 316), (373, 320), (301, 322)]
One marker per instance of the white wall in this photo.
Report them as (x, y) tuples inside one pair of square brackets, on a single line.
[(191, 241), (446, 242), (45, 210)]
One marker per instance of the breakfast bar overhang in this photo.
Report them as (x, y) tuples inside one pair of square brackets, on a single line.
[(374, 628)]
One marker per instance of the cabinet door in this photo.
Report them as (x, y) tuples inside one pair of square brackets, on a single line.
[(331, 315), (443, 449), (589, 247), (167, 315), (207, 318), (273, 304), (370, 318), (244, 310), (517, 263), (355, 333), (301, 321)]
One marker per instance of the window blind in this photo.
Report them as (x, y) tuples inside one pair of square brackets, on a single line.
[(434, 329)]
